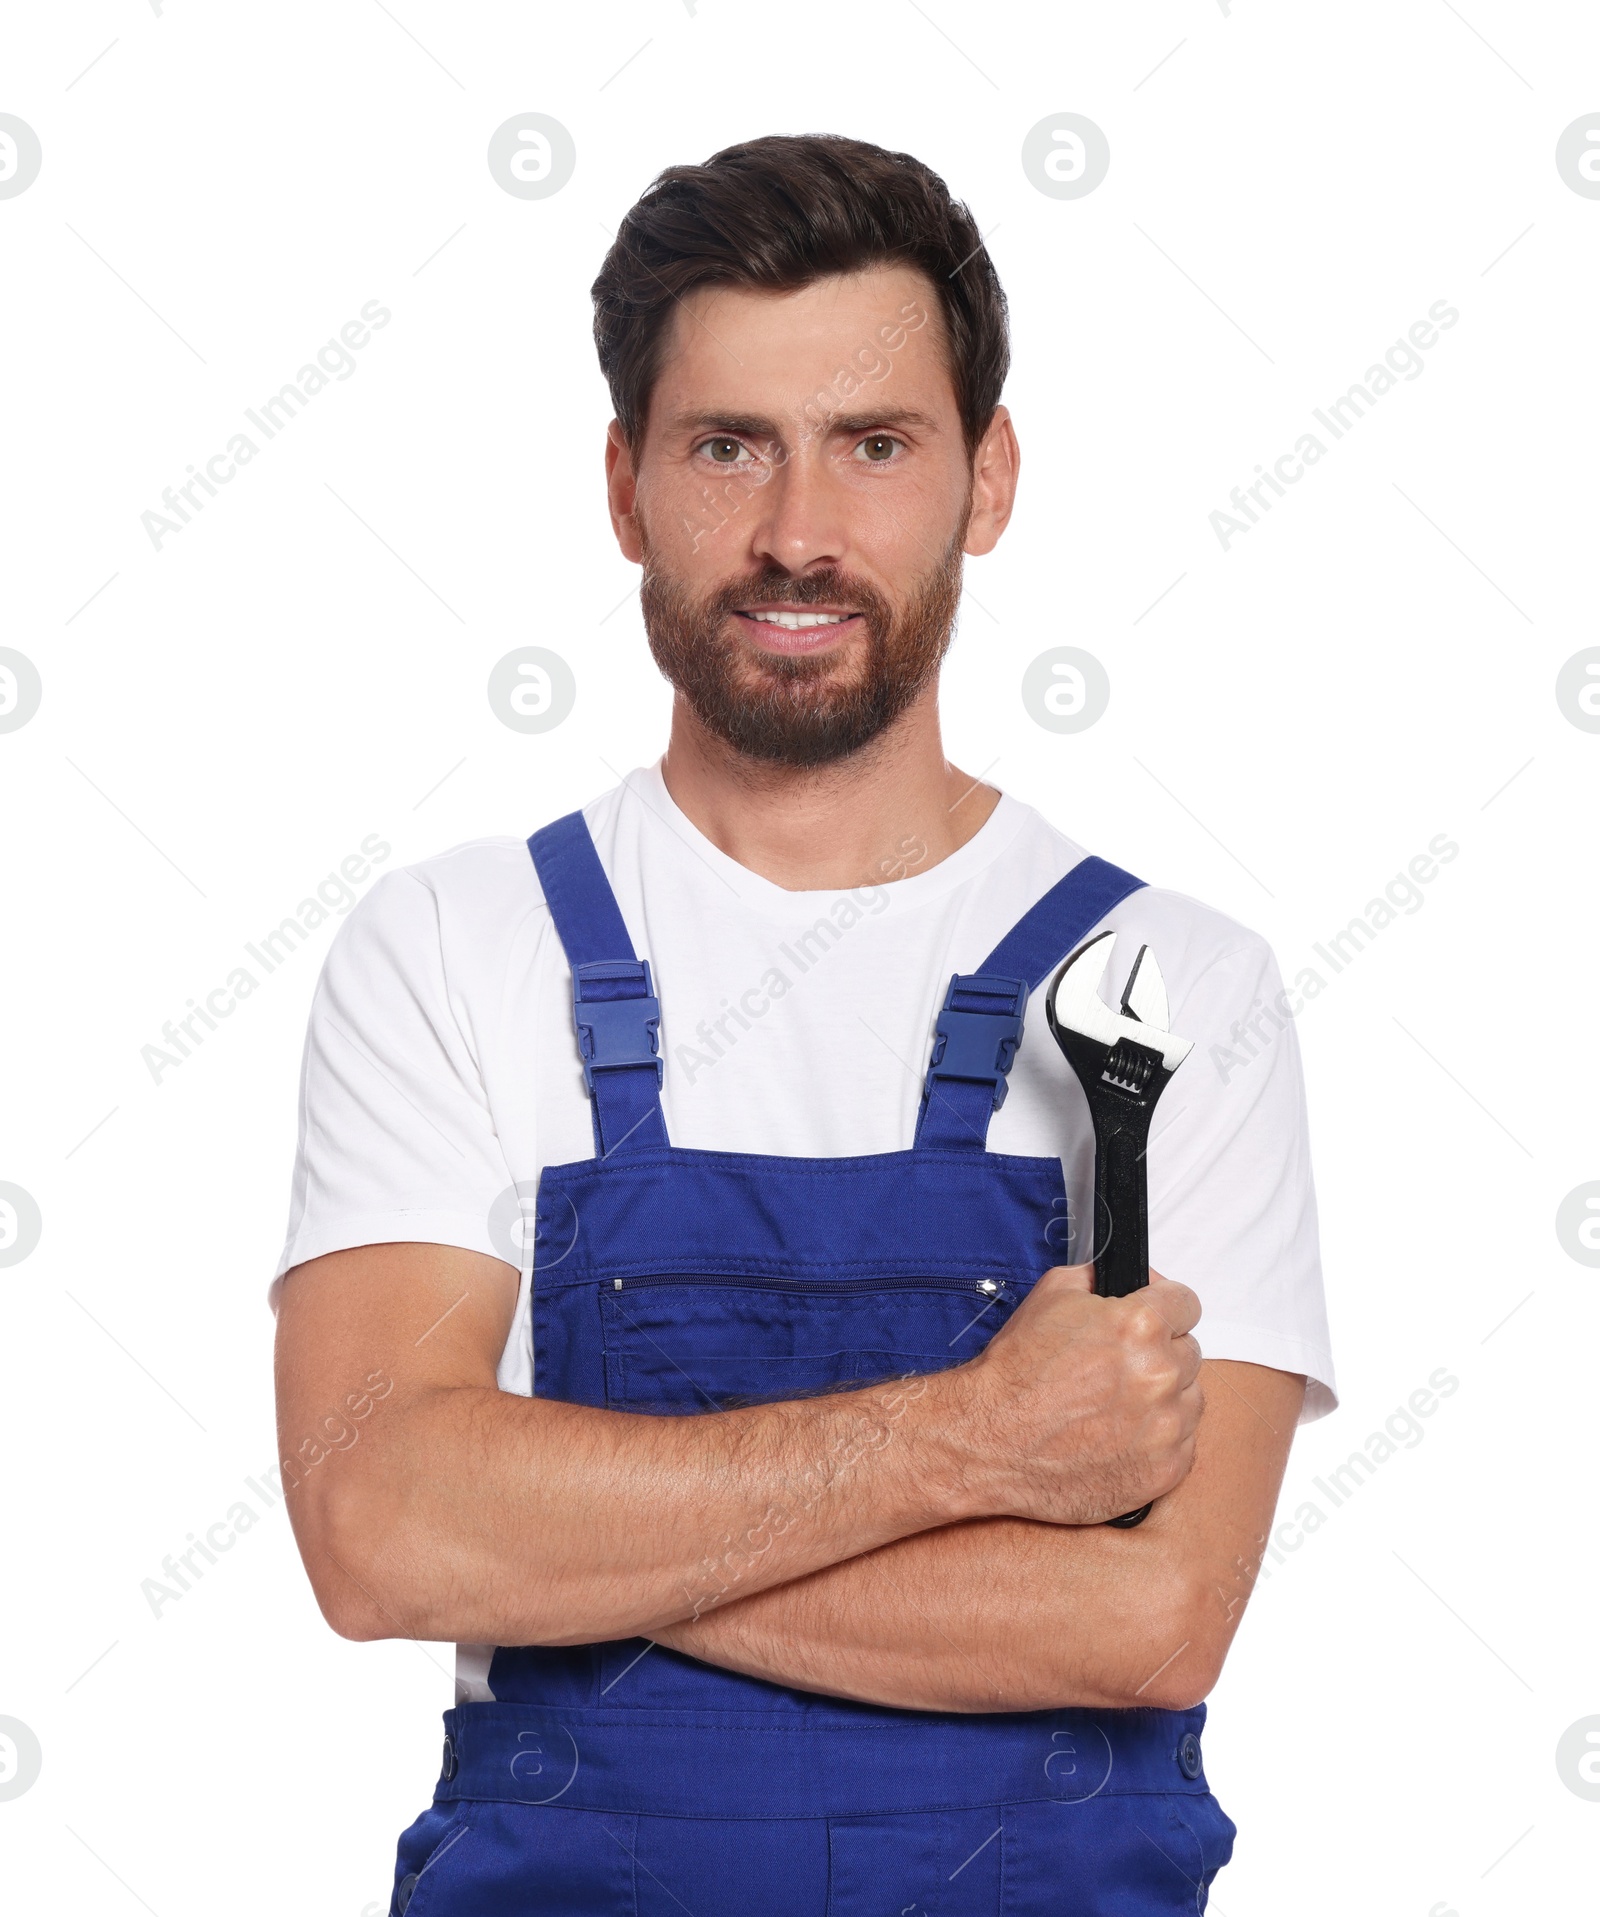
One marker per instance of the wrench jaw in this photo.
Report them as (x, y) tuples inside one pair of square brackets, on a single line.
[(1144, 997), (1123, 1061), (1073, 1006)]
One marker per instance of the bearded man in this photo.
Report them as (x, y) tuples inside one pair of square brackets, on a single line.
[(765, 1483)]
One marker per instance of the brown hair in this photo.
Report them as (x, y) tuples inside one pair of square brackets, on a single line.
[(776, 214)]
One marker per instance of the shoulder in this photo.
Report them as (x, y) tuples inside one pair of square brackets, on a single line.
[(1199, 930), (477, 873), (1190, 938), (481, 896), (1193, 942)]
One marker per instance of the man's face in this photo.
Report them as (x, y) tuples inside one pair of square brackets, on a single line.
[(800, 504)]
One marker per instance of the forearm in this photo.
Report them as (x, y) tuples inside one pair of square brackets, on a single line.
[(1006, 1615), (484, 1516), (994, 1615)]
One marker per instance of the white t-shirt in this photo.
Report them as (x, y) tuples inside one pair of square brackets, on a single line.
[(441, 1069)]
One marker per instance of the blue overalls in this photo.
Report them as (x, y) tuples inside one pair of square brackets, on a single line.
[(628, 1780)]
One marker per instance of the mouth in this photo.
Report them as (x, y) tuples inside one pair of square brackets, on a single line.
[(797, 629)]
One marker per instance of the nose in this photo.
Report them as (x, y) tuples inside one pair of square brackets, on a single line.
[(802, 520)]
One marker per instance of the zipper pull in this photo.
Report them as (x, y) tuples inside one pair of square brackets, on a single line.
[(616, 1284), (989, 1287)]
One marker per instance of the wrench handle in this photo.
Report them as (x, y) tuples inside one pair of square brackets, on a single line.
[(1121, 1202), (1121, 1088)]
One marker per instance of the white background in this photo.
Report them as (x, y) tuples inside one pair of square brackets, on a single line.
[(1372, 665)]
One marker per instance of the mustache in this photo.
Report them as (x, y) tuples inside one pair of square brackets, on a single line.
[(773, 587)]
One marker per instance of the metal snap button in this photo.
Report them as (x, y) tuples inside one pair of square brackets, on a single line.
[(1189, 1756), (449, 1758)]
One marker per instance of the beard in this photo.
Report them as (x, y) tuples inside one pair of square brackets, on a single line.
[(800, 711)]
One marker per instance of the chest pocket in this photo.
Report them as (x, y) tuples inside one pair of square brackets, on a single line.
[(694, 1342)]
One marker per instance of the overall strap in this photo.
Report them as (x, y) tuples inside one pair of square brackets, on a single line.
[(614, 1005), (980, 1027)]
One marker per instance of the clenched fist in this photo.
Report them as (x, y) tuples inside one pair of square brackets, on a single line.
[(1083, 1407)]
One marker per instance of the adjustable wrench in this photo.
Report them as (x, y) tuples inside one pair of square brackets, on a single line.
[(1123, 1060)]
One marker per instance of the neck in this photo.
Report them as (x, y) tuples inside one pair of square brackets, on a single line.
[(896, 807)]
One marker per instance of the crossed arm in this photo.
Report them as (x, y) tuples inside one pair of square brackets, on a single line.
[(955, 1561), (1004, 1614)]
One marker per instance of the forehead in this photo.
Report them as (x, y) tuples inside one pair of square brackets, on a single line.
[(746, 351)]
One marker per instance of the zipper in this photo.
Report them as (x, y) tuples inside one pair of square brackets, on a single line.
[(994, 1289)]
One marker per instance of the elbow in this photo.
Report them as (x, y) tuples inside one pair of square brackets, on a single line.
[(1178, 1657), (356, 1622), (1179, 1689), (346, 1588), (379, 1568), (354, 1562), (1161, 1649), (1158, 1646), (1173, 1689), (352, 1605)]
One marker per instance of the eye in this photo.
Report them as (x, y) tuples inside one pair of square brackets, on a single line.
[(879, 447), (721, 450)]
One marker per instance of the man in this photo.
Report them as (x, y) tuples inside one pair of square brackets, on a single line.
[(769, 1499)]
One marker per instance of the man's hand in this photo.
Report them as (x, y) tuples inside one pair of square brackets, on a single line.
[(1081, 1407)]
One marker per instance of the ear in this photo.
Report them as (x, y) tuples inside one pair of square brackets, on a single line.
[(621, 489), (995, 467)]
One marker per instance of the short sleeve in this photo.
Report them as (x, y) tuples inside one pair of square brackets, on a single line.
[(1233, 1210), (396, 1139)]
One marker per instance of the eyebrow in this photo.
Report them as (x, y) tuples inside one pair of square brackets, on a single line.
[(756, 426)]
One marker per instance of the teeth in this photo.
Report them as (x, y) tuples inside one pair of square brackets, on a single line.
[(797, 621)]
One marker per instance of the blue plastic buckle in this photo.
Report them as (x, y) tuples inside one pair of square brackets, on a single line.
[(617, 1028), (978, 1043)]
